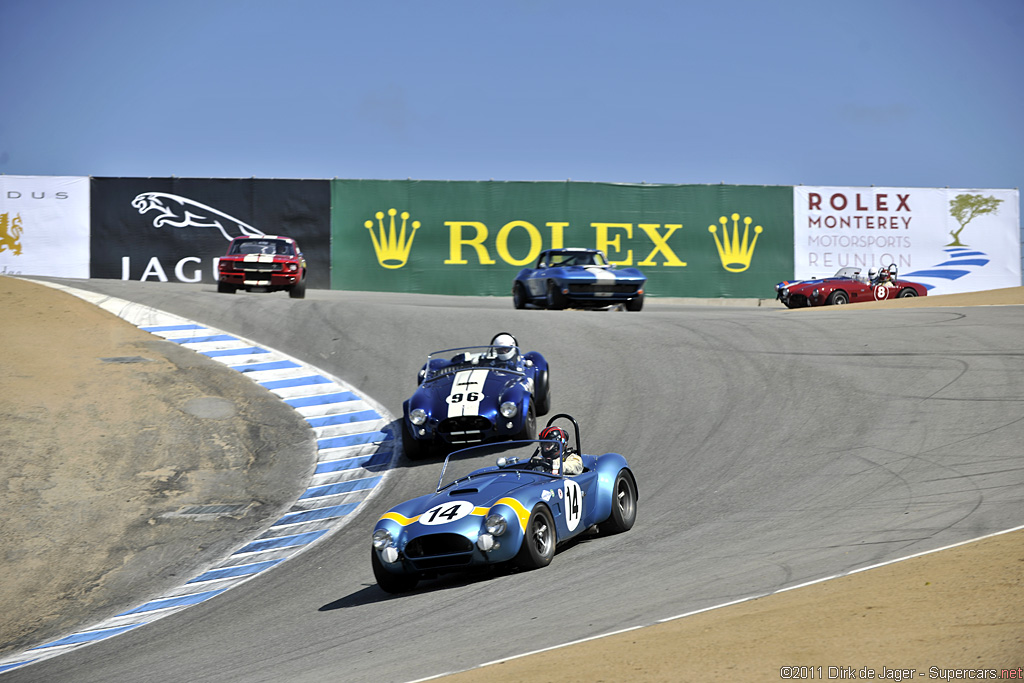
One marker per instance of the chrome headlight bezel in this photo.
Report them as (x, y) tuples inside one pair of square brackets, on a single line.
[(382, 539), (508, 409), (418, 416), (495, 524)]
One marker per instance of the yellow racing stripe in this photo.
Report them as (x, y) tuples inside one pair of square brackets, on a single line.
[(521, 512)]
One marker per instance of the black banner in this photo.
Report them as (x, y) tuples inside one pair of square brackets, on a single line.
[(173, 229)]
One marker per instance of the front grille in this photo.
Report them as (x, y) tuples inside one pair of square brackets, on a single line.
[(250, 267), (439, 550), (464, 429), (602, 289)]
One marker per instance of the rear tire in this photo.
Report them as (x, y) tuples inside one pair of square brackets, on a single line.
[(388, 582), (623, 505), (538, 546), (837, 298)]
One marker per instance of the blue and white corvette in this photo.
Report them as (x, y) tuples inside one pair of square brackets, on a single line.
[(578, 278), (475, 394), (516, 511)]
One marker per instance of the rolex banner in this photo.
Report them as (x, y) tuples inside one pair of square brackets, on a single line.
[(44, 225), (175, 229), (471, 238), (949, 240)]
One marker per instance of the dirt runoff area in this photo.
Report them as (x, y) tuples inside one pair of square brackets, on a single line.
[(107, 432)]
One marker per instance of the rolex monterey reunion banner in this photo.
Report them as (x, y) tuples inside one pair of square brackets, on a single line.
[(472, 238), (949, 240), (44, 226)]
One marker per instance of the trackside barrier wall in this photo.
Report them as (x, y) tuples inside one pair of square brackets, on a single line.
[(473, 237)]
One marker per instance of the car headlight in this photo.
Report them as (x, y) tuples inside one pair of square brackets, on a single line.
[(418, 416), (382, 539), (785, 291), (508, 409), (495, 524), (814, 293)]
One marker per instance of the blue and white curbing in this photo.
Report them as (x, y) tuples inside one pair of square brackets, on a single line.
[(354, 454)]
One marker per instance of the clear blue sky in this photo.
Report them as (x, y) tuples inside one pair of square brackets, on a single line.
[(918, 93)]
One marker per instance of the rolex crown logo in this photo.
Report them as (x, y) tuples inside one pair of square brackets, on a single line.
[(393, 244), (735, 254)]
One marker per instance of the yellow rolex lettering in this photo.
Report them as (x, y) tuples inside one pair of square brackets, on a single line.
[(456, 242), (661, 244), (556, 234), (536, 242), (605, 243)]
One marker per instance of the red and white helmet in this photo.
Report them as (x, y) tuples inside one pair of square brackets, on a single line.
[(550, 450)]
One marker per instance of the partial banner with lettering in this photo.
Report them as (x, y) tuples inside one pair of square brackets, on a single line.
[(175, 229), (949, 240), (472, 238), (44, 225)]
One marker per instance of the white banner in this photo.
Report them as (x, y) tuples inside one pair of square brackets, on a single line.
[(44, 226), (949, 240)]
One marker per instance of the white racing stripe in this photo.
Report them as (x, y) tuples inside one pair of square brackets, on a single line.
[(467, 392)]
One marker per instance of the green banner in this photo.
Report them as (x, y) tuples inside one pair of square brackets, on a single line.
[(471, 238)]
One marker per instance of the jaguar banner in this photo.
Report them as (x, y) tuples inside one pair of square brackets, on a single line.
[(949, 240), (175, 229), (471, 238), (44, 225)]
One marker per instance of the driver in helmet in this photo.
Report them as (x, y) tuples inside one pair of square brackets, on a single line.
[(572, 463), (885, 278), (504, 347)]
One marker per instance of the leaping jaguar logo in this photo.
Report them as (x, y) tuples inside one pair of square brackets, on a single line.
[(10, 233), (181, 212)]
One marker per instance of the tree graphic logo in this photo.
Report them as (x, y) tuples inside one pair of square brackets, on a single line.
[(965, 208)]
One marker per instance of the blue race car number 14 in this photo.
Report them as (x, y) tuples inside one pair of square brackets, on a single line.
[(448, 511)]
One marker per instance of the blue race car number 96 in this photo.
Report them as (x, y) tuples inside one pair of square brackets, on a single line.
[(446, 512)]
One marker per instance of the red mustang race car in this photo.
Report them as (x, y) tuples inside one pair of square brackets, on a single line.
[(264, 263), (847, 286)]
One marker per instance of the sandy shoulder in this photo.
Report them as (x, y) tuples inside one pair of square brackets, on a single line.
[(107, 432)]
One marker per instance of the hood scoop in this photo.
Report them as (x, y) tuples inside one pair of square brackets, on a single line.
[(463, 492)]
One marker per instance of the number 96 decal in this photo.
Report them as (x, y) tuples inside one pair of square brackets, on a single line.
[(446, 512)]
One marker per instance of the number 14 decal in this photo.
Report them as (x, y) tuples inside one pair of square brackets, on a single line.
[(446, 512), (573, 504)]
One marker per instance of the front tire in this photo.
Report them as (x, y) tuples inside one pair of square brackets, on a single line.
[(529, 430), (907, 293), (635, 304), (298, 290), (225, 288), (556, 300), (519, 295), (543, 396), (623, 505), (538, 546), (388, 582), (413, 448), (837, 298)]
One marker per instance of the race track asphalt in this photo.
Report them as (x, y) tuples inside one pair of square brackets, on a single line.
[(772, 448)]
